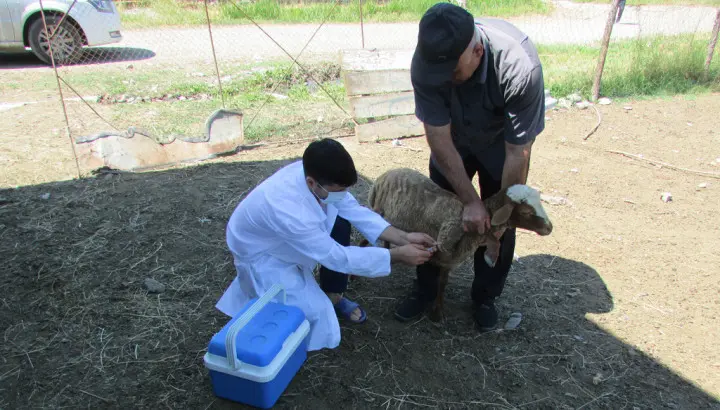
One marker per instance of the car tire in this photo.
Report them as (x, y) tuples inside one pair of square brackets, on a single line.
[(66, 45)]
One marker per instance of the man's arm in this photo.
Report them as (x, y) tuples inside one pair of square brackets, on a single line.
[(517, 163), (475, 216), (398, 237), (450, 163)]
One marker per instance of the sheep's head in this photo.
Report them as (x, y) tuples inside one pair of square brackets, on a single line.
[(523, 210)]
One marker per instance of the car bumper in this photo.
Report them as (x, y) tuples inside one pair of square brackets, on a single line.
[(100, 28)]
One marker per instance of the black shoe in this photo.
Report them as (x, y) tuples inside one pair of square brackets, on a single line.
[(412, 307), (486, 316)]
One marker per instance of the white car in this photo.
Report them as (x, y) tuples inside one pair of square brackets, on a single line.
[(87, 23)]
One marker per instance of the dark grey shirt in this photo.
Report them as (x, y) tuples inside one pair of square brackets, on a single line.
[(504, 100)]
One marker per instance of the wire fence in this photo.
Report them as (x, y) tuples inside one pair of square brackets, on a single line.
[(160, 68)]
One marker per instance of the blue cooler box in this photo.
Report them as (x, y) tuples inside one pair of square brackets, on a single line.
[(256, 354)]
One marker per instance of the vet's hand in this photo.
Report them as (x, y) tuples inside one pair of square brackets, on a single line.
[(410, 254), (421, 239), (476, 217)]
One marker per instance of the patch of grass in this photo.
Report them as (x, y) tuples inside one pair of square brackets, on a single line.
[(152, 13), (658, 2), (645, 67)]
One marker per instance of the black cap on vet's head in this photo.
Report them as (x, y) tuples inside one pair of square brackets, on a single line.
[(445, 31)]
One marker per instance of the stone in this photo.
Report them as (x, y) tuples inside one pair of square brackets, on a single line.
[(627, 107), (583, 105), (514, 321), (604, 101), (45, 195), (554, 200), (666, 197), (564, 103), (702, 185), (153, 286), (576, 98)]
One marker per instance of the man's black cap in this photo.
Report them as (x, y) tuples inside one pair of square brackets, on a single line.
[(445, 31)]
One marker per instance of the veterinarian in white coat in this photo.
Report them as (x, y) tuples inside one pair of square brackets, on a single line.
[(281, 230)]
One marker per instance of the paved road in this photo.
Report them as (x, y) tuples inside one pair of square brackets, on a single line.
[(570, 23)]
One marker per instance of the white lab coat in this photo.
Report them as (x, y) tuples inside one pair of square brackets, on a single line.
[(279, 233)]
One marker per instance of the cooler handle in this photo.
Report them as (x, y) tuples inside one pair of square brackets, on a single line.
[(231, 336)]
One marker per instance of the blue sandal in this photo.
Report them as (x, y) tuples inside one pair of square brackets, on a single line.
[(346, 307)]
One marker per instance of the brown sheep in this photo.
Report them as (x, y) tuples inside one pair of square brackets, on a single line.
[(412, 202)]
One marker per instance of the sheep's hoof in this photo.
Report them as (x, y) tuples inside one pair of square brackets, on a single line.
[(435, 314), (489, 261)]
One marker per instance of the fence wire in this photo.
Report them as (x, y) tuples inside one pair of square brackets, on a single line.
[(163, 66)]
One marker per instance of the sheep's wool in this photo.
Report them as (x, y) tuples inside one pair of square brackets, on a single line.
[(525, 194)]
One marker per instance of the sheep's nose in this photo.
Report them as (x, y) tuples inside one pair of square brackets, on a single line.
[(547, 229)]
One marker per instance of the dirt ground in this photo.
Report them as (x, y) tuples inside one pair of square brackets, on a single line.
[(620, 304)]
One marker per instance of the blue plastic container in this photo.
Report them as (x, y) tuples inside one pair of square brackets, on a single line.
[(269, 342)]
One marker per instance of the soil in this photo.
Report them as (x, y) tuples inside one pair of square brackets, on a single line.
[(620, 304)]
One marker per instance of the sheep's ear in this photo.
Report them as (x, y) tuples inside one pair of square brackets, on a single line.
[(502, 215)]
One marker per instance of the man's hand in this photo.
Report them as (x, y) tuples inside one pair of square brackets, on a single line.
[(410, 254), (421, 239), (476, 217)]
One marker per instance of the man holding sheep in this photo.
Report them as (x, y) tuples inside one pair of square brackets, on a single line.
[(479, 91)]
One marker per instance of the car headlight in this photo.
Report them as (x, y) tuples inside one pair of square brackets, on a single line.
[(103, 6)]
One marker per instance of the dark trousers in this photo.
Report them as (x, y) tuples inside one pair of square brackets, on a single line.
[(489, 282), (331, 281)]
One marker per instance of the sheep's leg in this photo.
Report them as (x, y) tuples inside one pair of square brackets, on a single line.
[(492, 250), (436, 309)]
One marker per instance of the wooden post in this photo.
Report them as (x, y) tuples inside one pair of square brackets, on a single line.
[(362, 26), (711, 46), (603, 51)]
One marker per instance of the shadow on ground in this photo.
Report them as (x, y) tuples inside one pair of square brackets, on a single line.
[(91, 56), (80, 330)]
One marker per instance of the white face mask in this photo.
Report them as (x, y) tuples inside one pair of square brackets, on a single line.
[(332, 197)]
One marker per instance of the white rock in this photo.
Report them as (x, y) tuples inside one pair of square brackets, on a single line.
[(582, 105), (702, 185), (514, 321), (574, 97), (554, 200), (689, 124), (717, 159), (396, 143), (627, 107), (575, 170), (279, 96), (153, 286), (45, 195), (604, 101), (666, 196)]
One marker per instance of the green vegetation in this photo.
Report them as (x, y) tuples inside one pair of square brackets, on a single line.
[(656, 66), (153, 13), (294, 105), (659, 2)]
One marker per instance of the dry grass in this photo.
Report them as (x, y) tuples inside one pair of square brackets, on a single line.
[(611, 315)]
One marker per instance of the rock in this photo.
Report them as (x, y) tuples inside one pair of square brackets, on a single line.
[(130, 66), (597, 379), (689, 124), (576, 98), (604, 101), (583, 105), (578, 338), (627, 107), (554, 200), (514, 321), (45, 195), (153, 286), (564, 103), (575, 170), (717, 159), (396, 143), (666, 197), (702, 185), (279, 96)]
